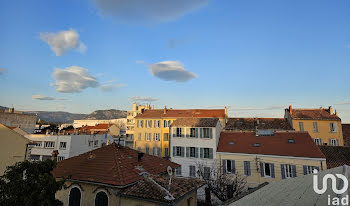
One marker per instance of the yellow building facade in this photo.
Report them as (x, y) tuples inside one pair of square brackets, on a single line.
[(151, 133), (323, 125)]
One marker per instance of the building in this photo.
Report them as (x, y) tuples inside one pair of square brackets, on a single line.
[(336, 155), (323, 125), (253, 124), (296, 191), (152, 126), (111, 129), (68, 145), (13, 148), (130, 122), (93, 122), (12, 118), (268, 157), (346, 134), (123, 177), (193, 144)]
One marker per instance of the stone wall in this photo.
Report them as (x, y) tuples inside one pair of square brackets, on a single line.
[(24, 121)]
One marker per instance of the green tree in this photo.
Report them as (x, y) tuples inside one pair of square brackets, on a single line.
[(30, 183)]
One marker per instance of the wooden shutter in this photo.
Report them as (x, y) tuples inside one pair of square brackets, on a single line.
[(188, 151), (283, 173), (210, 133), (174, 151), (294, 168), (182, 151), (262, 169), (224, 166), (305, 169), (233, 166), (201, 133), (196, 149), (196, 131), (337, 140), (188, 132), (247, 167), (201, 152), (174, 131), (272, 168), (210, 153)]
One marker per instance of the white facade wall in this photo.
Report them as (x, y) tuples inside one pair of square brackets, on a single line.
[(75, 144), (185, 162), (93, 122)]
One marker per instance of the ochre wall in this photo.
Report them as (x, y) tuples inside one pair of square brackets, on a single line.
[(12, 148)]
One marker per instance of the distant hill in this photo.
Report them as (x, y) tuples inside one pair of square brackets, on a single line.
[(66, 117)]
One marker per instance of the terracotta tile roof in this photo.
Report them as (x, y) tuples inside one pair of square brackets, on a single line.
[(243, 142), (336, 155), (147, 189), (113, 165), (251, 124), (346, 134), (195, 122), (175, 113), (317, 114), (102, 126)]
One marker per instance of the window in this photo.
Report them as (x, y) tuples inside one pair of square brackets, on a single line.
[(101, 199), (247, 168), (166, 152), (148, 136), (156, 151), (318, 141), (35, 157), (229, 166), (167, 123), (96, 143), (193, 132), (156, 123), (309, 169), (315, 126), (148, 123), (333, 127), (140, 124), (139, 149), (178, 151), (267, 170), (206, 173), (49, 144), (90, 143), (301, 126), (334, 142), (192, 171), (206, 132), (74, 197), (178, 171), (288, 171), (60, 158), (192, 152), (147, 150), (207, 153), (63, 145), (179, 132), (156, 137), (139, 136), (166, 136), (37, 144), (291, 141)]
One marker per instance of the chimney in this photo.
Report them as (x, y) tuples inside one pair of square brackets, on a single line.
[(152, 106), (54, 155), (335, 112), (225, 110), (290, 109), (330, 109), (134, 106), (165, 109)]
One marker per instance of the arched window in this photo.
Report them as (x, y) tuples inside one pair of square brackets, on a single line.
[(74, 197), (101, 199)]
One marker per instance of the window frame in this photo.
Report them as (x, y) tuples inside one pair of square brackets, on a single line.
[(288, 171), (301, 126), (65, 145), (269, 166), (49, 147), (192, 171), (315, 127)]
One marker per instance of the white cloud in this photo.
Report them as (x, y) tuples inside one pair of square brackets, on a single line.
[(171, 71), (42, 97), (63, 41), (73, 79), (342, 103), (147, 11), (144, 99), (111, 87), (3, 71)]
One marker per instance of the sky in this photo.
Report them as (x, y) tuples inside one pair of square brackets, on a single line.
[(254, 56)]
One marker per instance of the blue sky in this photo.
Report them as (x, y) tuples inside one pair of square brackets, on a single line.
[(255, 56)]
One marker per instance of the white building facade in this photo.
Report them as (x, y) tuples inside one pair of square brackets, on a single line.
[(193, 143), (67, 145)]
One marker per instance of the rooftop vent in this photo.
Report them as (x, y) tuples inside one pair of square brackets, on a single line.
[(291, 141), (265, 132), (256, 144)]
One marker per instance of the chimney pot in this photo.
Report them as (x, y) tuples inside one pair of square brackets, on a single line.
[(164, 109), (330, 108), (290, 109)]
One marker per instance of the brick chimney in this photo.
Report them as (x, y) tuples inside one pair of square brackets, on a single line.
[(330, 110), (165, 109), (290, 109), (225, 110)]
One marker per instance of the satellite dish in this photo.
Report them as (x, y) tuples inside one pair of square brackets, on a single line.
[(170, 171)]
